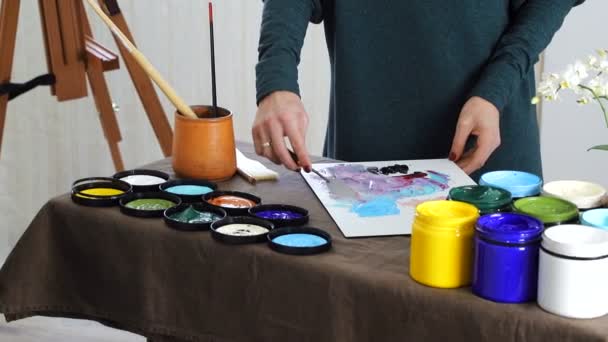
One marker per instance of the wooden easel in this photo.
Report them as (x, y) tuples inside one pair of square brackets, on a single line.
[(73, 57)]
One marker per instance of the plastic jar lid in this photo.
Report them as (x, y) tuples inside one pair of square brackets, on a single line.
[(584, 194), (483, 197), (595, 218), (519, 184), (576, 241), (509, 228), (547, 209), (447, 214)]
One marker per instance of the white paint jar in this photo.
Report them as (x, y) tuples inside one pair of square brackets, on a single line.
[(573, 271), (585, 195)]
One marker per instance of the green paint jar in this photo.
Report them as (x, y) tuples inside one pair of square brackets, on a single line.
[(488, 199), (551, 210)]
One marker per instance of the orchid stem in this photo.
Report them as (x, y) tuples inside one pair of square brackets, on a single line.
[(599, 101)]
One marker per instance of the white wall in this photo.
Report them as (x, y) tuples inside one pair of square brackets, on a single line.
[(567, 128)]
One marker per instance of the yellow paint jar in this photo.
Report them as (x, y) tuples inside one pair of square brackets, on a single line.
[(442, 243)]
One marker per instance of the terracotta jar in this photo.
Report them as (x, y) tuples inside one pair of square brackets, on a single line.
[(204, 148)]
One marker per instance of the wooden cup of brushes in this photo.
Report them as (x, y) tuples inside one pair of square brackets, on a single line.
[(204, 147), (203, 142)]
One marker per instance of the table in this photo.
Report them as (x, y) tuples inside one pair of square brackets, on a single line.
[(138, 275)]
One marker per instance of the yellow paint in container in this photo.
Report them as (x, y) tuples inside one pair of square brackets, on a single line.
[(105, 192), (442, 243)]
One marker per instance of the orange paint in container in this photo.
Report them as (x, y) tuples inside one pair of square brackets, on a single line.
[(229, 201)]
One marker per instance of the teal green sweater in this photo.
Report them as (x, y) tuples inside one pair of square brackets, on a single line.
[(402, 70)]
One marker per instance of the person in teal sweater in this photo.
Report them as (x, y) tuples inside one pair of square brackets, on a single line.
[(409, 80)]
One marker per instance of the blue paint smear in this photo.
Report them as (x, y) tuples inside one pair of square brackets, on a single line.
[(300, 240), (379, 206)]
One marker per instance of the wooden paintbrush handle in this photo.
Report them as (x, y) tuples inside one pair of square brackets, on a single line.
[(177, 101)]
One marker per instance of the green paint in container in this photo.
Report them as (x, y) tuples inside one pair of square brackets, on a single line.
[(487, 199), (191, 215), (149, 204), (552, 211)]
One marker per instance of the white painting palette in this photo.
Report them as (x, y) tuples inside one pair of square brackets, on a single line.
[(364, 202)]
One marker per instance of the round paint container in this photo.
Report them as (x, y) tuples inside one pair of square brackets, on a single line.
[(99, 191), (241, 230), (442, 243), (487, 199), (585, 195), (506, 257), (235, 203), (519, 184), (143, 180), (189, 190), (573, 271), (551, 210), (299, 240), (595, 218), (280, 215), (192, 217), (148, 204)]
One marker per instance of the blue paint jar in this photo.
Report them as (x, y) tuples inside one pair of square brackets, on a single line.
[(506, 257), (519, 184), (595, 218)]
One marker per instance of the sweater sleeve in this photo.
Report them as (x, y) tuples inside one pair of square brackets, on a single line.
[(284, 24), (533, 26)]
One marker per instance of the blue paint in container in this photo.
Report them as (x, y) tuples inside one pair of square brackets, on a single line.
[(519, 184), (506, 257), (300, 240), (595, 218), (192, 190)]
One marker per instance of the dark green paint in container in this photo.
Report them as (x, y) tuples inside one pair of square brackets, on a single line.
[(487, 199)]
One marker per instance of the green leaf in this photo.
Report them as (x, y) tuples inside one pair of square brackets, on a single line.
[(599, 147)]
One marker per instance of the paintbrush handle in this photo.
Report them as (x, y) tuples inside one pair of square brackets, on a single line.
[(177, 101)]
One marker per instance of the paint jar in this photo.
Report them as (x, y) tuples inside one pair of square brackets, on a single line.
[(442, 243), (148, 204), (281, 215), (99, 191), (551, 210), (585, 195), (236, 203), (204, 148), (143, 180), (595, 218), (189, 190), (299, 240), (519, 184), (506, 257), (487, 199), (241, 230), (573, 271)]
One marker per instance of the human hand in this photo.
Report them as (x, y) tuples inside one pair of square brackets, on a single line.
[(481, 119), (281, 114)]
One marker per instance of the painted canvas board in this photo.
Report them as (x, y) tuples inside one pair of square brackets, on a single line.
[(364, 201)]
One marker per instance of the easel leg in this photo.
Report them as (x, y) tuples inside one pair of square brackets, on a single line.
[(9, 16), (103, 101), (142, 83)]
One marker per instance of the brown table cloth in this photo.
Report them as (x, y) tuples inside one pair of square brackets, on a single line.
[(139, 275)]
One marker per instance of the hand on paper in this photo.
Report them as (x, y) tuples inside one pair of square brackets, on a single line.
[(281, 114), (481, 119)]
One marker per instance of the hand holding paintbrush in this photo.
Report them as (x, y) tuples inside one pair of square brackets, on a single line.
[(295, 158)]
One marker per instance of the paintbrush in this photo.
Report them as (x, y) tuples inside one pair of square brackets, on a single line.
[(177, 101), (212, 43), (294, 156)]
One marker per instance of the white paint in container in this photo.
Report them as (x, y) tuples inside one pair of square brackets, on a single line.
[(573, 271), (585, 195)]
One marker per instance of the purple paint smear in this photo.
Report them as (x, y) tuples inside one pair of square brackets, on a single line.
[(369, 195)]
